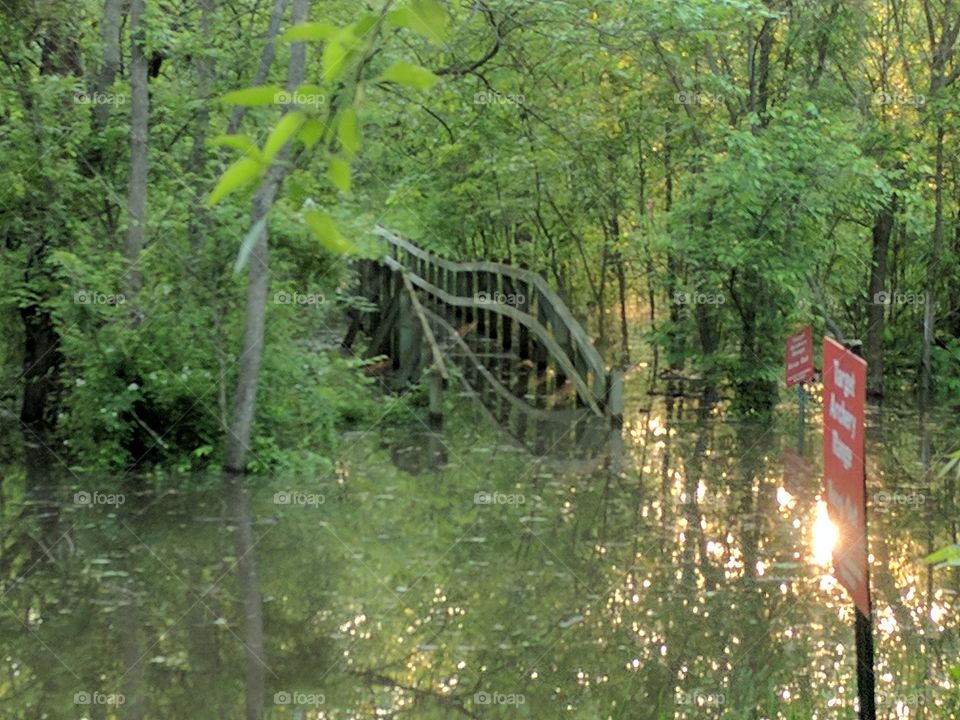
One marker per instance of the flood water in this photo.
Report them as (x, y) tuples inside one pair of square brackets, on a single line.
[(461, 576)]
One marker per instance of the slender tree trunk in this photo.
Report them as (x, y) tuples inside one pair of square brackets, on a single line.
[(266, 60), (619, 267), (199, 220), (954, 317), (203, 66), (42, 358), (139, 118), (624, 325), (110, 63), (38, 413), (941, 51), (674, 341), (930, 289), (602, 293), (882, 228), (101, 151), (244, 405)]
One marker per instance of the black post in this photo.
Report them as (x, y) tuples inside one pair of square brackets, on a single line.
[(865, 676), (863, 634), (802, 402)]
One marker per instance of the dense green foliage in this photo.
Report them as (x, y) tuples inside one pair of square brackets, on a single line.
[(731, 164)]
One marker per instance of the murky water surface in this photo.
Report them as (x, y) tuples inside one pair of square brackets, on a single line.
[(458, 576)]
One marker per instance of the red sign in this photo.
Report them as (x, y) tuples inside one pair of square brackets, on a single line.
[(844, 394), (799, 357)]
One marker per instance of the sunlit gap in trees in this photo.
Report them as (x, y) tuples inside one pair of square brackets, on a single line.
[(823, 537)]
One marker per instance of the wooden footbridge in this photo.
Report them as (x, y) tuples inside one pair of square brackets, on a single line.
[(500, 330)]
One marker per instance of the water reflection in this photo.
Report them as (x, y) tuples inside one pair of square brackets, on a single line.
[(689, 579)]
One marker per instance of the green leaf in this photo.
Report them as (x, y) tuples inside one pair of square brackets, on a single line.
[(310, 31), (285, 129), (361, 27), (334, 57), (424, 17), (949, 555), (241, 173), (253, 96), (409, 75), (246, 245), (325, 230), (348, 130), (243, 143), (312, 130), (339, 173)]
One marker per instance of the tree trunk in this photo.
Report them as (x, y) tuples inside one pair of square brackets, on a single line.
[(139, 118), (244, 404), (674, 341), (954, 312), (203, 66), (941, 50), (930, 289), (110, 63), (266, 60), (42, 359), (882, 228), (38, 413), (624, 325), (620, 270), (199, 220), (258, 280)]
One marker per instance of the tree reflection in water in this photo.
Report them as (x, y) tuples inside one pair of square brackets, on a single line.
[(682, 580)]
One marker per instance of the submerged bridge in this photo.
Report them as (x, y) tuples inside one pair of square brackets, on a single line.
[(502, 332)]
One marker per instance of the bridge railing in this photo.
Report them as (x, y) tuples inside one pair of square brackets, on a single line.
[(513, 308)]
